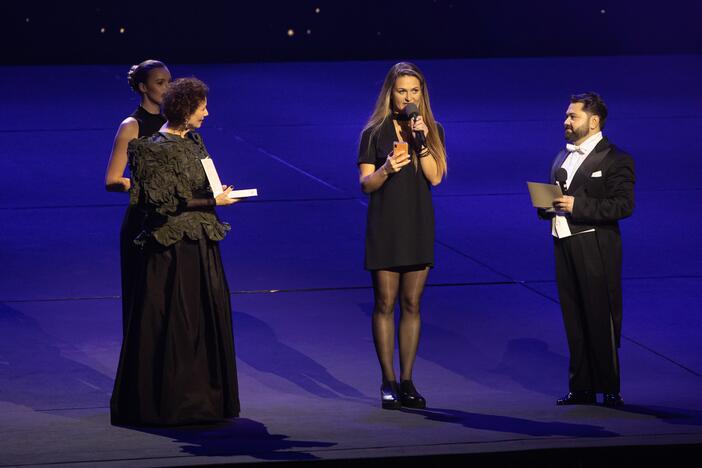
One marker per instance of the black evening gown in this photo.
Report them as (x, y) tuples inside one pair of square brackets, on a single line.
[(400, 220), (130, 255), (177, 363)]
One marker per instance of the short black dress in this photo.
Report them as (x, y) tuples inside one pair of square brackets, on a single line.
[(400, 222), (130, 255), (177, 363)]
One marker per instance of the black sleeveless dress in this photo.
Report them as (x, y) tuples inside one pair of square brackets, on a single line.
[(400, 222), (130, 255)]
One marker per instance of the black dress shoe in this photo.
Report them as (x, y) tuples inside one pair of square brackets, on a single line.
[(577, 398), (613, 400), (410, 397), (389, 396)]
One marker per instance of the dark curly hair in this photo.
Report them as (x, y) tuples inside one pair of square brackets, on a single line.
[(140, 73), (182, 98), (593, 105)]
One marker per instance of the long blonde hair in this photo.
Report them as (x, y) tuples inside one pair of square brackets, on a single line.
[(383, 111)]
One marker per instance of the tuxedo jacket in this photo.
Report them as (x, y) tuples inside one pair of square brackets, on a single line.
[(603, 188)]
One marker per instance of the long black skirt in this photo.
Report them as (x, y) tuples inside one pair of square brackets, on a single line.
[(177, 364), (131, 261)]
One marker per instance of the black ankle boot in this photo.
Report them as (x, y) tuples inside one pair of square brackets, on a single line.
[(410, 397), (389, 396)]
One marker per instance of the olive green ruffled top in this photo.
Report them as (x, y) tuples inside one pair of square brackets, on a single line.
[(170, 186)]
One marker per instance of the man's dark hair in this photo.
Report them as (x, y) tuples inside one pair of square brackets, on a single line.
[(593, 105), (182, 98)]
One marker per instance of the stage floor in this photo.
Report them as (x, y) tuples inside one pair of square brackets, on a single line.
[(493, 356)]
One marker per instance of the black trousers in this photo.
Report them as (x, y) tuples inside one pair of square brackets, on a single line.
[(586, 308)]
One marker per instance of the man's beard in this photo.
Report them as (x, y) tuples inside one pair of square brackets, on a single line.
[(576, 133)]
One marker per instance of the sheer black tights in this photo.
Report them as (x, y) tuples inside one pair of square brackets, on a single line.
[(386, 286)]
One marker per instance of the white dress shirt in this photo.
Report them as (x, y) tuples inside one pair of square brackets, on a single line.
[(578, 154)]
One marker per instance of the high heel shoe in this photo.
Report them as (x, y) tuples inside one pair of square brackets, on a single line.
[(389, 397), (410, 397), (583, 397), (613, 400)]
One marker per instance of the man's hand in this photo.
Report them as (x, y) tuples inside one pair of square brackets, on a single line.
[(564, 204)]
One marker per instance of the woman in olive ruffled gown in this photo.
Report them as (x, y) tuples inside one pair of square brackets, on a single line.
[(177, 364)]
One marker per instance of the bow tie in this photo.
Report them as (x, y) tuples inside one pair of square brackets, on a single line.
[(574, 149)]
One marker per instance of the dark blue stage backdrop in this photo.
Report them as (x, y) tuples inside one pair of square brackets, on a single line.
[(273, 30), (286, 112)]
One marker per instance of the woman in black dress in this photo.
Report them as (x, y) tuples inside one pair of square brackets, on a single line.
[(150, 79), (400, 226), (177, 363)]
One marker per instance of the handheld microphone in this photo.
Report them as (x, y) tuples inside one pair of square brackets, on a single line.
[(561, 179), (412, 112)]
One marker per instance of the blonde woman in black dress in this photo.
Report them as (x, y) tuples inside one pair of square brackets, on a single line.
[(400, 224)]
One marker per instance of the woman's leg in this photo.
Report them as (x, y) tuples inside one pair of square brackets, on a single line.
[(412, 287), (385, 288)]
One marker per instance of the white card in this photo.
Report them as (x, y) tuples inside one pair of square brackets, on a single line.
[(212, 176), (542, 195), (216, 184), (244, 193)]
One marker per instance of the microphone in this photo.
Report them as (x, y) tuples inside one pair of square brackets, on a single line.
[(562, 178), (412, 112)]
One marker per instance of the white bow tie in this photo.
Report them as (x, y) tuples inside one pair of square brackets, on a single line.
[(574, 149)]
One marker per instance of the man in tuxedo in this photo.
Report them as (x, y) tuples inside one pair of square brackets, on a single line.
[(597, 180)]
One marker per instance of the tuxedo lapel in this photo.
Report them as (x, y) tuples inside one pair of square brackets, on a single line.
[(591, 162)]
